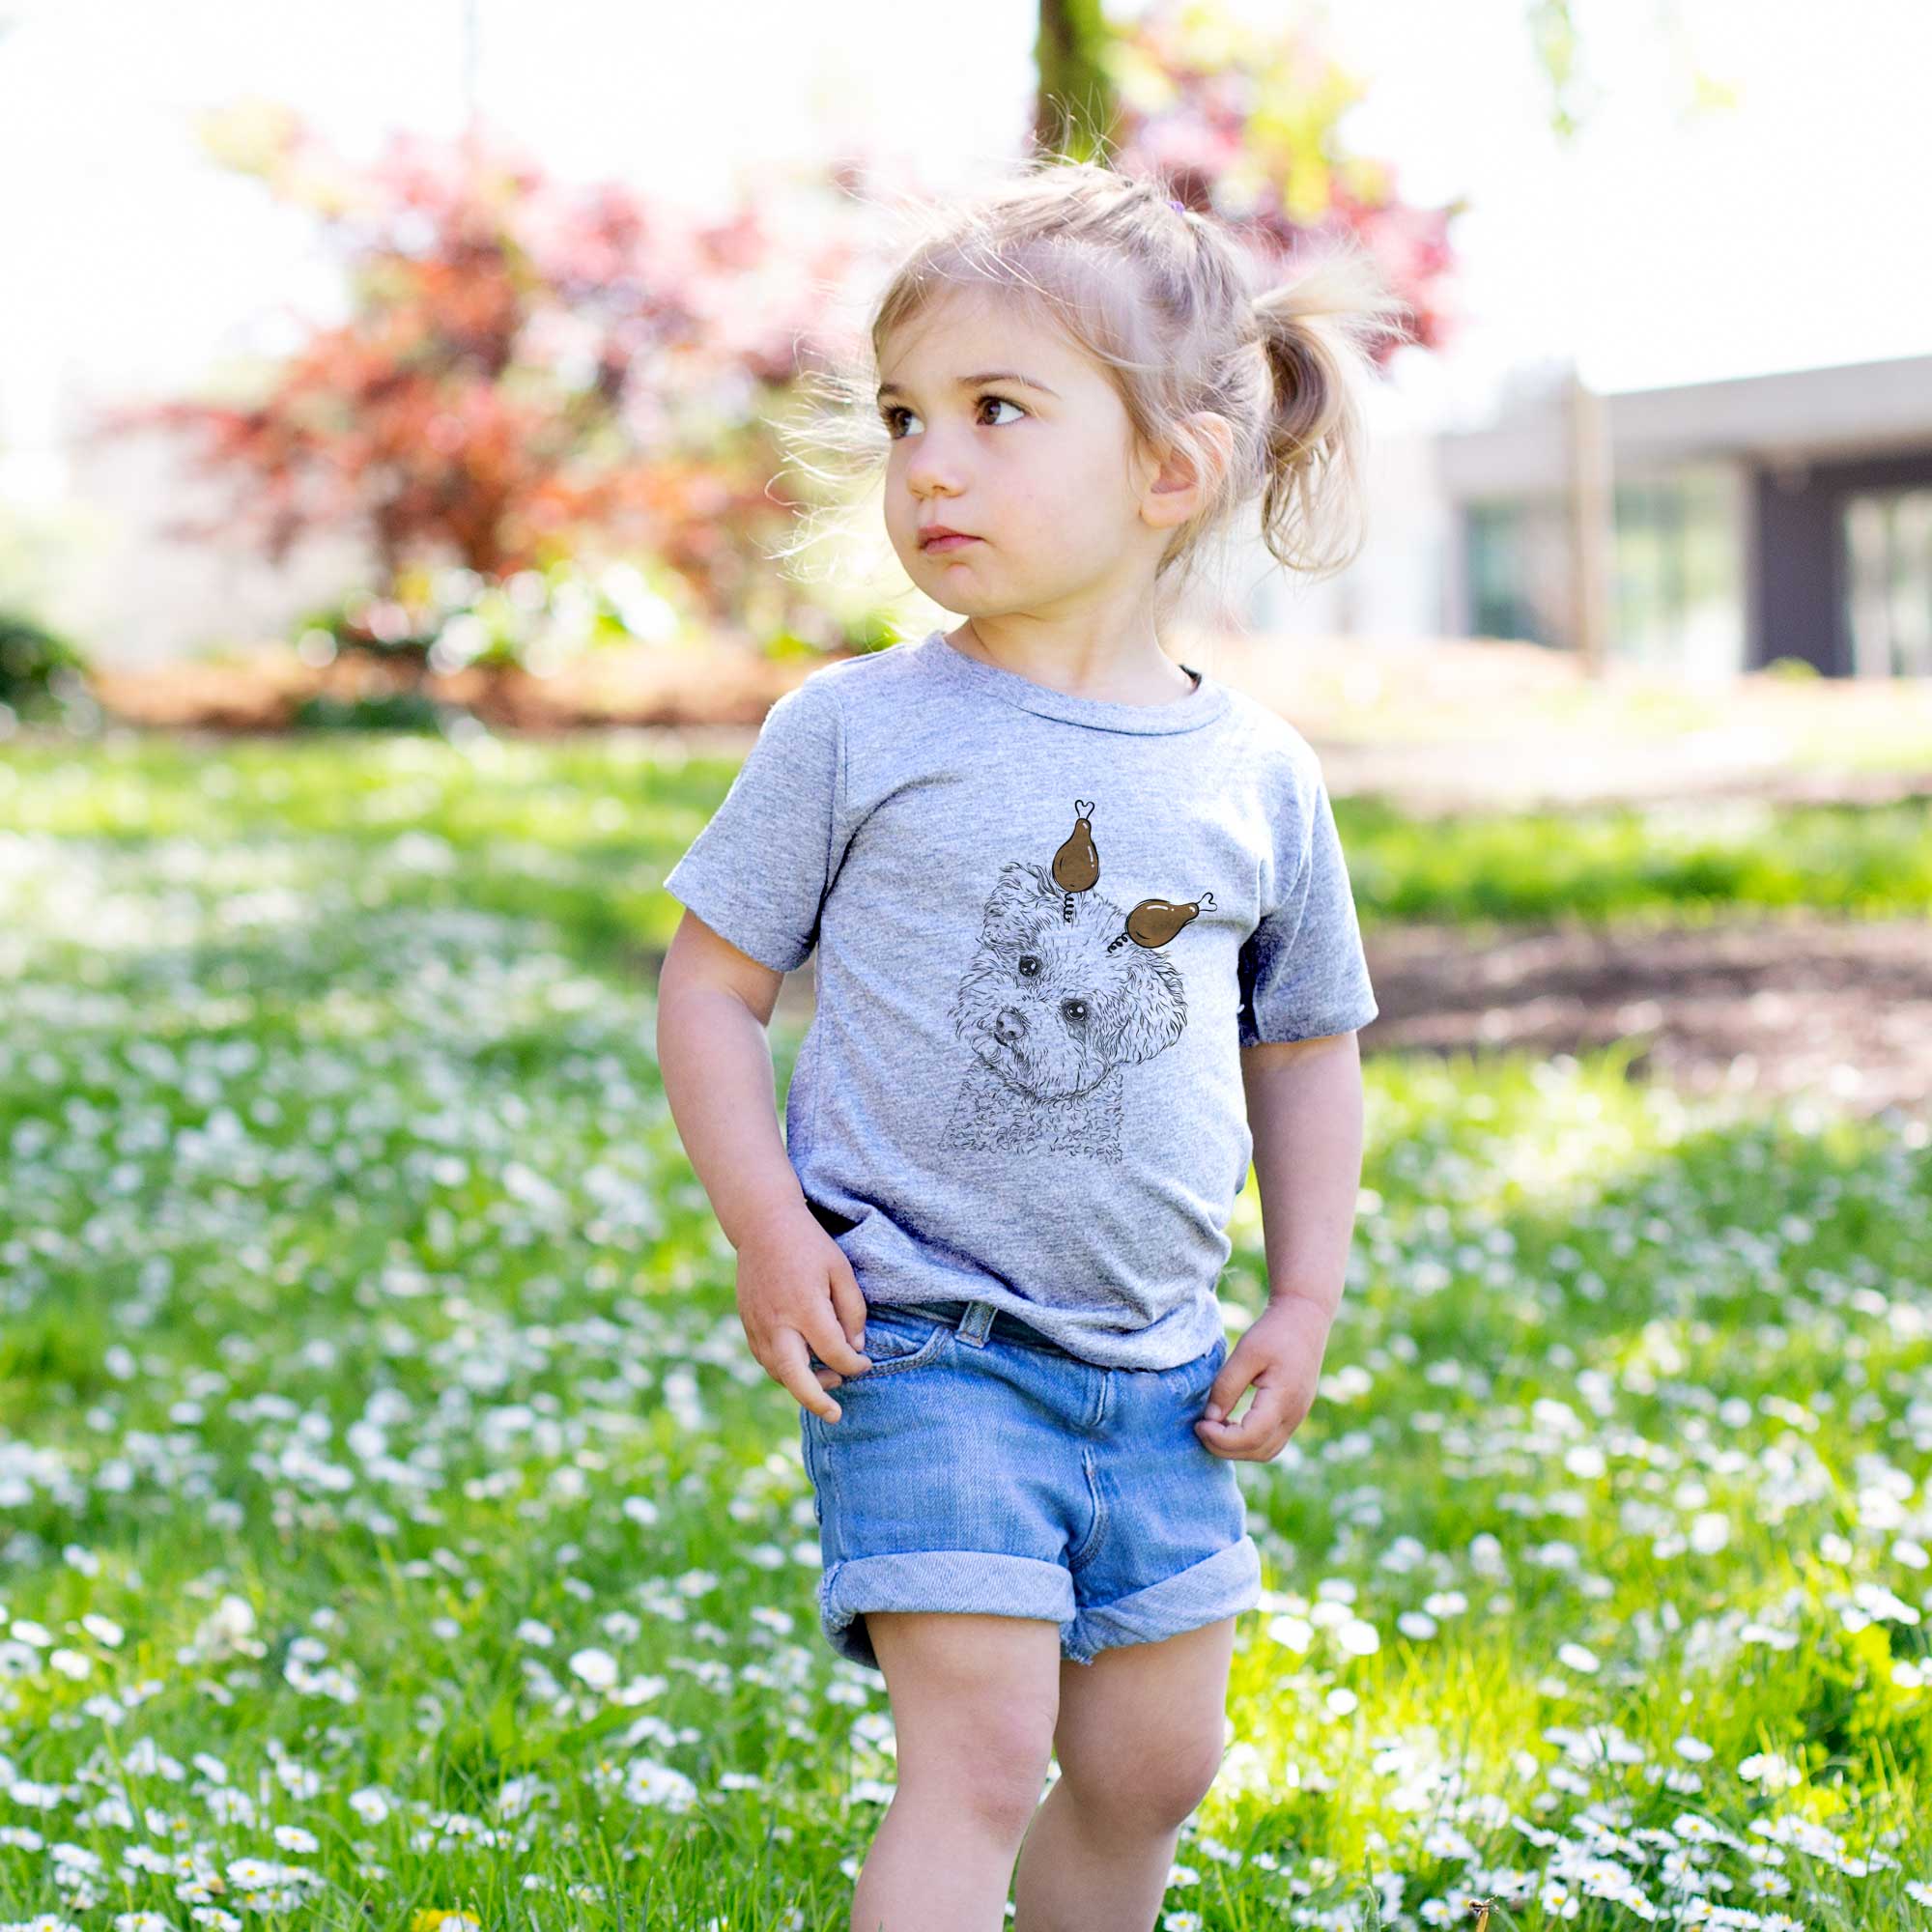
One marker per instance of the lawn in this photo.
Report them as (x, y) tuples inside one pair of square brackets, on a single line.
[(393, 1522)]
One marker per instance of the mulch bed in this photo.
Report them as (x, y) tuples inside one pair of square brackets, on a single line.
[(1833, 1009), (1770, 1010), (260, 691)]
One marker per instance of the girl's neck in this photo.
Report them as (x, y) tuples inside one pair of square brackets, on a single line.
[(1147, 675)]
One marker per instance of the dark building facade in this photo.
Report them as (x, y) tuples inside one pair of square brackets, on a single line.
[(1766, 516)]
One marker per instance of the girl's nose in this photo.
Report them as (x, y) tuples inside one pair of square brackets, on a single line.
[(932, 465)]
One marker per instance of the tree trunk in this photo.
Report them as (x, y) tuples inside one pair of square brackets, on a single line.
[(1075, 109)]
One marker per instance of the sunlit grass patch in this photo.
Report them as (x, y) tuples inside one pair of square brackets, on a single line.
[(1666, 863), (1612, 1507), (582, 832), (392, 1522)]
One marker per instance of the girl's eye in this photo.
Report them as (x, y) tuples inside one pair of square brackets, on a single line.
[(892, 415)]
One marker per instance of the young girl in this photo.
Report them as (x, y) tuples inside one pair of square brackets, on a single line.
[(1085, 947)]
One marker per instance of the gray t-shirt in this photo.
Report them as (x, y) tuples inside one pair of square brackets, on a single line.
[(1045, 927)]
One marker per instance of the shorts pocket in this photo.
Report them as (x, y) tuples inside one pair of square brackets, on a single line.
[(896, 1340), (1202, 1370)]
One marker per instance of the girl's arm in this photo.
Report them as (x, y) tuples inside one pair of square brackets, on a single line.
[(1305, 1111), (714, 1005), (796, 1290)]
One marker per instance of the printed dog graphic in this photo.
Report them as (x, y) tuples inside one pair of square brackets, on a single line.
[(1065, 989)]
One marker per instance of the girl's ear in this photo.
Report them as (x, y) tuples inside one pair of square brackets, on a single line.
[(1180, 488)]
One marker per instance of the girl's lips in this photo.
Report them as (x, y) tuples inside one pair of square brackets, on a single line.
[(947, 543)]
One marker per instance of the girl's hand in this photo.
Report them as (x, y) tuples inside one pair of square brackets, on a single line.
[(1281, 1356), (798, 1297)]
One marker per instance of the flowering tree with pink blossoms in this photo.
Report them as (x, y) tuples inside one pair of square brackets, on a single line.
[(526, 369), (1246, 122)]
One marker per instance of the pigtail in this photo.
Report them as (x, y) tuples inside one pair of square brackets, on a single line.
[(1315, 331)]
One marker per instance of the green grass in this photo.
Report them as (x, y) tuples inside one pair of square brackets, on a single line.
[(388, 1501), (581, 832), (1679, 864)]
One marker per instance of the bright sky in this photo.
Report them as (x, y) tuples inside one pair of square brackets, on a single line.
[(1780, 235)]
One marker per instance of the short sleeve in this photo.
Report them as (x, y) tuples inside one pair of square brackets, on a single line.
[(758, 871), (1302, 971)]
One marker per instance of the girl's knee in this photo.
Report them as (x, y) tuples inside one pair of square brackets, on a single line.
[(1187, 1781), (1157, 1791), (975, 1700), (991, 1770), (999, 1794)]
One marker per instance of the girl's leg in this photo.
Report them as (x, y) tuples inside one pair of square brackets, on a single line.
[(974, 1702), (1140, 1738)]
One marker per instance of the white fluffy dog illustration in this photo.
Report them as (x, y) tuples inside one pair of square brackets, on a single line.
[(1060, 997)]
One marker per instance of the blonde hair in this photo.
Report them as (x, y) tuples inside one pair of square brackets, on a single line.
[(1185, 318)]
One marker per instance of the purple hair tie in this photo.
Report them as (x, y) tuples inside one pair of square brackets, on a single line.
[(1181, 205)]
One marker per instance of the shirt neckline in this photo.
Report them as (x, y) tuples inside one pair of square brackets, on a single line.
[(1205, 703)]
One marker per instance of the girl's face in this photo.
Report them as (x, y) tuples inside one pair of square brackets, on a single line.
[(1002, 429)]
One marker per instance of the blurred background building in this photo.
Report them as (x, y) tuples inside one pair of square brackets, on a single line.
[(1786, 515), (1765, 517)]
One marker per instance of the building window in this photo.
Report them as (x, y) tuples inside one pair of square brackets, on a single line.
[(1678, 595), (1516, 558), (1679, 591), (1887, 540)]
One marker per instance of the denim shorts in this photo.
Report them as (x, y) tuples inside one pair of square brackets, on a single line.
[(979, 1467)]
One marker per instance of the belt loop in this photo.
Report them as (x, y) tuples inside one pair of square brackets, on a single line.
[(976, 1321)]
